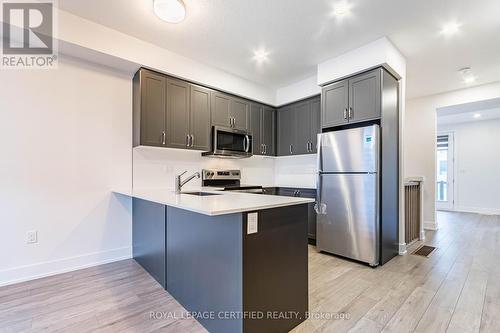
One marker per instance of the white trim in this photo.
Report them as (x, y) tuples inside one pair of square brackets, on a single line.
[(48, 268), (422, 235), (402, 249), (478, 210), (430, 225)]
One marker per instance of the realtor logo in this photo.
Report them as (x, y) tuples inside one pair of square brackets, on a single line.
[(27, 32)]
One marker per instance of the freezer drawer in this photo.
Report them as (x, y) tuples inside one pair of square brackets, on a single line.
[(351, 150), (348, 223)]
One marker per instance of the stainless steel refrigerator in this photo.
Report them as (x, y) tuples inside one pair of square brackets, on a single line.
[(348, 203)]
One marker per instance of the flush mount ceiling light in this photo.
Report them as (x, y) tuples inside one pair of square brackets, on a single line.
[(341, 9), (451, 28), (172, 11), (260, 56), (467, 75)]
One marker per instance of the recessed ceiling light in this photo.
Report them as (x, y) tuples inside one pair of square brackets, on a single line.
[(477, 115), (342, 9), (469, 79), (451, 28), (172, 11), (467, 75), (260, 56)]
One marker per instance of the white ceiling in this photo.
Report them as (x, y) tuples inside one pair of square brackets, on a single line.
[(463, 113), (299, 34)]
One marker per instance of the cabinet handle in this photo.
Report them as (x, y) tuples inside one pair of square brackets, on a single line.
[(291, 149), (345, 114), (261, 148), (192, 140), (265, 149), (350, 113), (187, 140), (163, 137)]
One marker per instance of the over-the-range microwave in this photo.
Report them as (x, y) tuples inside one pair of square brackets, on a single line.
[(230, 143)]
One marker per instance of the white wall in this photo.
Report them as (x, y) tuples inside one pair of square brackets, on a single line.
[(118, 49), (380, 52), (477, 165), (420, 136), (65, 136), (302, 89), (157, 167)]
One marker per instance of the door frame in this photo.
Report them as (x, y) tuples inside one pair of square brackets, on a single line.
[(450, 204)]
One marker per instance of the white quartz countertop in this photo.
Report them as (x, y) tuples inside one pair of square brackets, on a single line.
[(224, 203)]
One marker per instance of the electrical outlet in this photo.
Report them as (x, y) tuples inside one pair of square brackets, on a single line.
[(32, 237)]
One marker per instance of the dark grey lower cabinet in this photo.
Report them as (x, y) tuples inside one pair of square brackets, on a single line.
[(212, 265), (299, 192), (275, 269), (149, 237)]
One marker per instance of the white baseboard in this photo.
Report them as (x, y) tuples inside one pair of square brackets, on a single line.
[(477, 210), (430, 225), (53, 267), (402, 249)]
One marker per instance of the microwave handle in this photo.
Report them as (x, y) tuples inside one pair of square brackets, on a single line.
[(246, 144)]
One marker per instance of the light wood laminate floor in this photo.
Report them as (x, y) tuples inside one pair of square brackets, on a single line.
[(456, 289)]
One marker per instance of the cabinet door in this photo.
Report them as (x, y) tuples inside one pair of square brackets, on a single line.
[(335, 104), (153, 109), (239, 110), (285, 131), (178, 96), (364, 97), (269, 130), (200, 128), (220, 109), (315, 123), (301, 121), (255, 128)]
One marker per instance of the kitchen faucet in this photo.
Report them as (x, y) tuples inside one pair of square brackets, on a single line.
[(179, 183)]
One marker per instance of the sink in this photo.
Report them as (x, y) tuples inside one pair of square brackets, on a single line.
[(201, 194)]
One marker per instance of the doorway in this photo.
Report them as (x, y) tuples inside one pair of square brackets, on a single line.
[(445, 175)]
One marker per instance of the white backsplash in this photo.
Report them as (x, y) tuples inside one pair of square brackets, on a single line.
[(295, 171), (157, 167)]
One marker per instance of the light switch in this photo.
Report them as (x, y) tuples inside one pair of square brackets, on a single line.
[(252, 223)]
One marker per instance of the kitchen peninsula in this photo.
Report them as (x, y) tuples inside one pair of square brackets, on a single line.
[(239, 258)]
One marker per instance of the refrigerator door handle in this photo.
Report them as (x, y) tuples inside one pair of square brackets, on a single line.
[(319, 207)]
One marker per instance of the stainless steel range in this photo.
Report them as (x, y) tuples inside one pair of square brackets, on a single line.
[(228, 180)]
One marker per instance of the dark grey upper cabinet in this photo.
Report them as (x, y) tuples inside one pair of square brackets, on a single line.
[(315, 123), (221, 104), (298, 127), (170, 112), (335, 104), (178, 100), (302, 118), (285, 131), (352, 100), (150, 109), (268, 134), (200, 128), (238, 111), (364, 96), (262, 125), (230, 111), (255, 128)]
